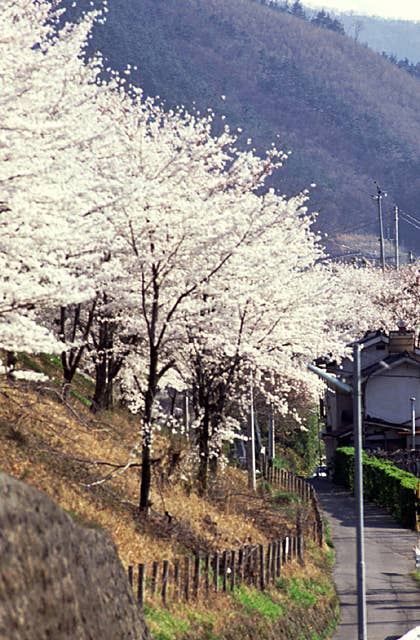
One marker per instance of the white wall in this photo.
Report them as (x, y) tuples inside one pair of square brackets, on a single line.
[(387, 395)]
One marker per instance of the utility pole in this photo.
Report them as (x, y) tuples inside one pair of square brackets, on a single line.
[(379, 195), (252, 483), (413, 423), (356, 391), (358, 469), (397, 248), (271, 438), (186, 414)]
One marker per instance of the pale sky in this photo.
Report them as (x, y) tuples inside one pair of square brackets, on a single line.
[(405, 9)]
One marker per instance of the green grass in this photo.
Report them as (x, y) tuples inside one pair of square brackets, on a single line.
[(299, 592), (260, 602), (416, 576), (304, 592), (82, 388), (330, 555), (164, 624), (330, 552), (284, 497), (328, 534), (81, 398), (29, 362), (205, 621)]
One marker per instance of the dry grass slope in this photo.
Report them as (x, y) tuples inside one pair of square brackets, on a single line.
[(60, 447)]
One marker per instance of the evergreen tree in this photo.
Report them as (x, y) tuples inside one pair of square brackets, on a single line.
[(324, 20), (297, 10)]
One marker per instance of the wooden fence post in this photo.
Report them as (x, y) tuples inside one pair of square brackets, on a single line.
[(261, 568), (232, 570), (155, 568), (165, 574), (216, 572), (248, 564), (286, 550), (273, 562), (207, 573), (176, 579), (187, 572), (225, 570), (255, 565), (279, 557), (141, 584), (267, 564), (320, 531), (196, 582), (241, 565)]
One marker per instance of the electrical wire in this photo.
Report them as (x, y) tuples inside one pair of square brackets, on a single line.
[(404, 213), (358, 228), (416, 226)]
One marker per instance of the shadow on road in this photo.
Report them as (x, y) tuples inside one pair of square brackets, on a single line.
[(392, 598), (344, 509)]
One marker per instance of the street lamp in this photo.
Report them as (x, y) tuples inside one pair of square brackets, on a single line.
[(413, 423), (356, 392), (252, 484)]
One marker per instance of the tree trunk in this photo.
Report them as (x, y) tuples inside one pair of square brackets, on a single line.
[(70, 359), (107, 367), (204, 450), (102, 397), (146, 466)]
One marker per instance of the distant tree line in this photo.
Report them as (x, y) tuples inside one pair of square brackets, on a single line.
[(321, 19), (324, 20), (405, 64)]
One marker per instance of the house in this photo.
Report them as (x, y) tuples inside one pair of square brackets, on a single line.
[(390, 366)]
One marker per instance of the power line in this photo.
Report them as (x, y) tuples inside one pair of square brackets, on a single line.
[(410, 216), (358, 228), (402, 217)]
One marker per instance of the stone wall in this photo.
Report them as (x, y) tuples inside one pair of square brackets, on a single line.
[(59, 581)]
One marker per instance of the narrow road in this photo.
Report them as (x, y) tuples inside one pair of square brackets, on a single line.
[(392, 597)]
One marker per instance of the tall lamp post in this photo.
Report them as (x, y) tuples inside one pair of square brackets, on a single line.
[(252, 484), (356, 392), (413, 423), (358, 469)]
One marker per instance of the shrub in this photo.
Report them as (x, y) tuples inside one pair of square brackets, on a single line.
[(383, 483)]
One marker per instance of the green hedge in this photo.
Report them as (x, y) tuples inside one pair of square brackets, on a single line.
[(383, 483)]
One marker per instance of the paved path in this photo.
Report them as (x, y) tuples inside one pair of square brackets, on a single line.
[(392, 597)]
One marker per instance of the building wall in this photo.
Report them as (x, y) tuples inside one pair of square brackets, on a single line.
[(368, 356), (387, 395)]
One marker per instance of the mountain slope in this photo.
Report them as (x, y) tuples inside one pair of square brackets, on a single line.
[(349, 116), (399, 37)]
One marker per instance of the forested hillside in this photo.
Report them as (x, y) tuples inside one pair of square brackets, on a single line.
[(398, 37), (348, 115)]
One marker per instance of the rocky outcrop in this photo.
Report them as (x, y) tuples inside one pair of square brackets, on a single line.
[(59, 581)]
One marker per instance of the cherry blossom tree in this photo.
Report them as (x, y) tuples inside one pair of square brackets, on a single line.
[(180, 229), (47, 178), (155, 245), (400, 296)]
